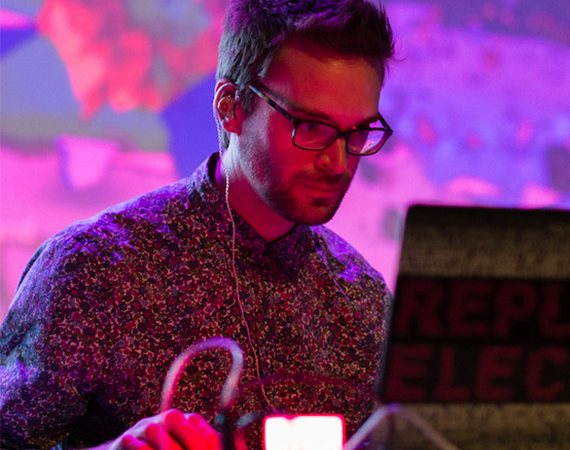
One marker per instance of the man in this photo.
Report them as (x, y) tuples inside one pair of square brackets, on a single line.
[(236, 250)]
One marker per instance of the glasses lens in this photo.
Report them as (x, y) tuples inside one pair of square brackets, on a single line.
[(365, 142), (313, 135)]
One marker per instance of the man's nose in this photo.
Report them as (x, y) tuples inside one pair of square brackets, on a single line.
[(334, 158)]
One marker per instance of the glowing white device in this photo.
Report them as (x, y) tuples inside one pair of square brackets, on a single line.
[(304, 432)]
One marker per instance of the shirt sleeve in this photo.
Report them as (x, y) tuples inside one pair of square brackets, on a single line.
[(53, 344)]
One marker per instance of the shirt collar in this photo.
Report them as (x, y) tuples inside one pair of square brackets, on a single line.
[(289, 251)]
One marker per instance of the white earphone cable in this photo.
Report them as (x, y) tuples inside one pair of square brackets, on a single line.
[(233, 259)]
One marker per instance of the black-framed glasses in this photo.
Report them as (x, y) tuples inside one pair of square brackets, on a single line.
[(312, 135)]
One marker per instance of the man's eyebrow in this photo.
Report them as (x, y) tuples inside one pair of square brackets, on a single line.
[(326, 118), (294, 107)]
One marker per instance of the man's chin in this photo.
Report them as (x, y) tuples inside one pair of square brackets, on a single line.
[(313, 214), (306, 210)]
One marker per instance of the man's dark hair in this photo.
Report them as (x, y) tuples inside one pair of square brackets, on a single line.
[(255, 30)]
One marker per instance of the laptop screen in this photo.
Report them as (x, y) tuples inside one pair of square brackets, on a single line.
[(481, 322)]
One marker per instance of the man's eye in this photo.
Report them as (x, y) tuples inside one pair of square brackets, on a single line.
[(315, 127), (311, 126), (362, 133)]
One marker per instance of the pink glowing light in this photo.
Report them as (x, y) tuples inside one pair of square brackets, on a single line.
[(13, 20), (85, 161), (465, 185), (427, 131), (538, 196)]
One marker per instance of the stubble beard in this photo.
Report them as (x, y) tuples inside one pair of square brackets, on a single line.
[(279, 194)]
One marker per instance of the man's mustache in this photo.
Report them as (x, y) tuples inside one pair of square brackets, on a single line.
[(322, 178)]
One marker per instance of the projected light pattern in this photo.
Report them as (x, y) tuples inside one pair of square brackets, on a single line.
[(131, 54), (102, 101)]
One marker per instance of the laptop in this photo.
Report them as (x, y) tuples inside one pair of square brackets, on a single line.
[(480, 333)]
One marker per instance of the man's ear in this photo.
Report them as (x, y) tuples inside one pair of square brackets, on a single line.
[(227, 106)]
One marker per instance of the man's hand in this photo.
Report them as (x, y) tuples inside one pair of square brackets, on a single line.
[(171, 430)]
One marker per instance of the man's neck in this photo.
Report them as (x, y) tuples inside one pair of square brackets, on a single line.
[(246, 202)]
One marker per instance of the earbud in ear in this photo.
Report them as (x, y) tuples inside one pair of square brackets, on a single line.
[(226, 107)]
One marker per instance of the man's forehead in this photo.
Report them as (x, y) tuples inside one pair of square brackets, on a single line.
[(296, 46), (345, 96), (311, 71)]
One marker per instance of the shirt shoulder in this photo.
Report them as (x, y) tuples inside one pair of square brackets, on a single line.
[(351, 271), (154, 209), (89, 259), (339, 252)]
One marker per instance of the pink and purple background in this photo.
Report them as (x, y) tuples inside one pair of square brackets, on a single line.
[(102, 101)]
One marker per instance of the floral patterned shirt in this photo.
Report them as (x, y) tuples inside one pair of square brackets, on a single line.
[(106, 305)]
